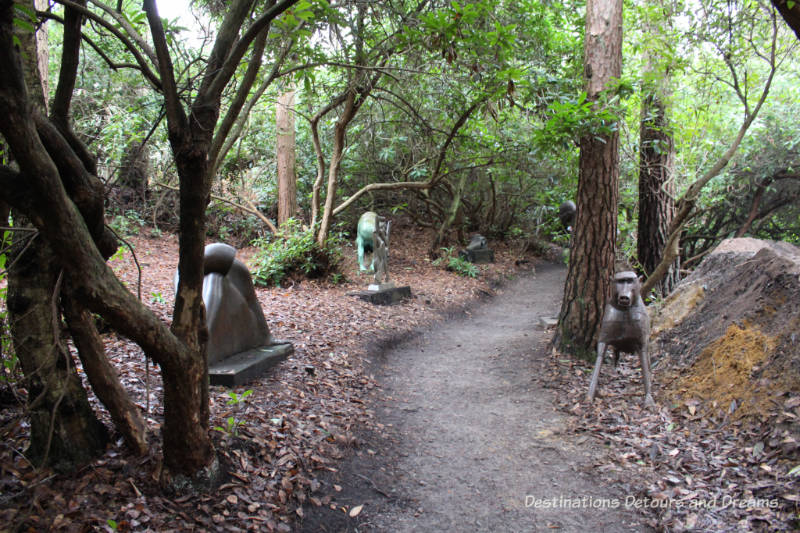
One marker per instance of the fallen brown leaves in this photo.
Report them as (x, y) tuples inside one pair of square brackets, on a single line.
[(298, 421), (689, 470)]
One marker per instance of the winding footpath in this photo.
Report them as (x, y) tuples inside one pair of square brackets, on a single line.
[(470, 441)]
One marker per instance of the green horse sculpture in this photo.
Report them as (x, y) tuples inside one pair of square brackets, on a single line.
[(368, 224)]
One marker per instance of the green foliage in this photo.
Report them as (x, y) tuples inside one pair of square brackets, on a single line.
[(462, 267), (157, 298), (295, 252), (569, 118), (338, 278), (118, 255), (456, 264), (9, 360), (128, 224), (233, 423)]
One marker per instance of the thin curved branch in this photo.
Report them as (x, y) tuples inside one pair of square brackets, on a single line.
[(176, 118), (120, 19), (687, 202), (436, 176), (239, 99), (127, 43)]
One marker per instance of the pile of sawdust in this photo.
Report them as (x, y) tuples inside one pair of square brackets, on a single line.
[(723, 374), (675, 308)]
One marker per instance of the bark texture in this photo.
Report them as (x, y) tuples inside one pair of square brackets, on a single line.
[(65, 432), (591, 264), (656, 192), (287, 181)]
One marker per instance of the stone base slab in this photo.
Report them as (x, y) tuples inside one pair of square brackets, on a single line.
[(248, 365), (477, 256), (385, 296)]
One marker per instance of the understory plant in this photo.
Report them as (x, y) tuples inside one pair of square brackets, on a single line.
[(456, 264), (295, 253), (8, 359), (233, 422)]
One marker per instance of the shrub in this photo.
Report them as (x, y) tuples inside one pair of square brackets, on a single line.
[(462, 267), (456, 264), (294, 254), (128, 224)]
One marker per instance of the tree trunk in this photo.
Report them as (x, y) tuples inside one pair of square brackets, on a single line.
[(102, 375), (187, 446), (64, 429), (441, 238), (133, 174), (53, 162), (656, 161), (333, 167), (656, 192), (287, 180), (591, 262)]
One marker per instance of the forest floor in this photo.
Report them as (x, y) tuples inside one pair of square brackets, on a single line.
[(469, 439), (446, 412)]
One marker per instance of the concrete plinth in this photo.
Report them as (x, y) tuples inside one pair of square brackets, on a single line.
[(478, 256), (385, 296), (248, 365)]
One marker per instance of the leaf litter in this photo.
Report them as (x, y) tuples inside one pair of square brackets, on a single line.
[(722, 452), (298, 422)]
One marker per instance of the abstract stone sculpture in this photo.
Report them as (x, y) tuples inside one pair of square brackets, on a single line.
[(477, 250), (625, 328), (233, 315), (239, 342)]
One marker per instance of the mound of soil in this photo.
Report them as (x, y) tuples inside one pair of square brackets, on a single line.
[(728, 336)]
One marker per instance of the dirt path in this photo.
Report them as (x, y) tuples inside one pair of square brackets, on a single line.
[(469, 440)]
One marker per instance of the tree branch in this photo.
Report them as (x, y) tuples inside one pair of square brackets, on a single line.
[(241, 119), (176, 118), (249, 208), (126, 42), (239, 99), (120, 19)]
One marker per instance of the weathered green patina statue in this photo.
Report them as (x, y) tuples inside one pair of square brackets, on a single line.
[(367, 225), (380, 254)]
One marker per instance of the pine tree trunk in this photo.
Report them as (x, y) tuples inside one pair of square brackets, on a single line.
[(656, 192), (591, 262)]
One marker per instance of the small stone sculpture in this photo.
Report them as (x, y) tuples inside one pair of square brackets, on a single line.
[(234, 317), (566, 214), (625, 328), (477, 250), (240, 346)]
